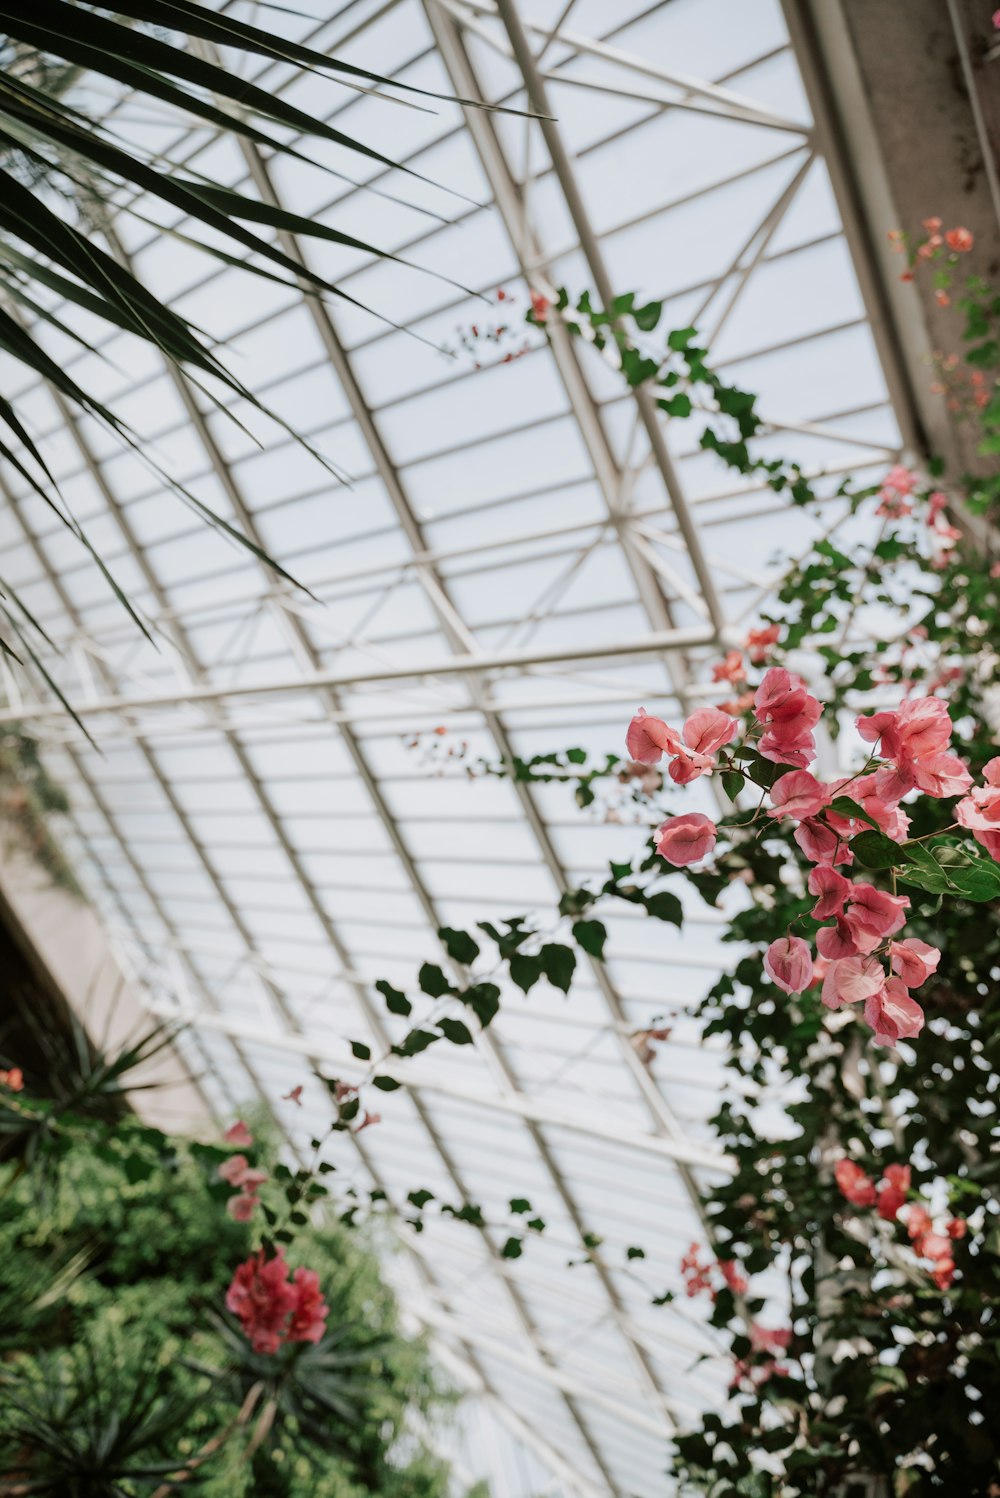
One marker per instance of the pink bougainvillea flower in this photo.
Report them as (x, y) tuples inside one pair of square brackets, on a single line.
[(782, 696), (233, 1170), (540, 306), (831, 888), (708, 729), (941, 775), (893, 1190), (918, 729), (788, 963), (295, 1096), (836, 941), (943, 1273), (685, 839), (730, 669), (239, 1135), (13, 1079), (734, 1276), (774, 1340), (263, 1300), (934, 1246), (913, 960), (852, 980), (759, 642), (799, 795), (242, 1206), (960, 240), (918, 1221), (900, 479), (648, 739), (893, 1014), (872, 915), (308, 1322), (821, 845), (783, 744), (957, 1227), (980, 811), (854, 1184)]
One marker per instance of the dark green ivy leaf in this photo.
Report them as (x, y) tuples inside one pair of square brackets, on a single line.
[(459, 945), (433, 981), (558, 964), (395, 1002), (455, 1031), (591, 936)]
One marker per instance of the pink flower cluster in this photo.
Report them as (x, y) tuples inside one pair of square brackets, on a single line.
[(861, 957), (13, 1079), (890, 1198), (273, 1310), (237, 1171), (692, 751), (980, 811), (767, 1344), (698, 1274)]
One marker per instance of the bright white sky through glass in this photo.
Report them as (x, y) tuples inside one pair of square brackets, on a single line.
[(265, 857)]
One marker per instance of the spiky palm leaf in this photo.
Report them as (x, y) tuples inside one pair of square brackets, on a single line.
[(53, 155)]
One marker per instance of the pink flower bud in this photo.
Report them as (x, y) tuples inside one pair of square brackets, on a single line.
[(685, 839), (788, 963)]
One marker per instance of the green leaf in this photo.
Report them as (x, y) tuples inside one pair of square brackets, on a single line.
[(845, 807), (520, 1204), (664, 906), (647, 317), (484, 1000), (558, 964), (395, 1001), (386, 1084), (732, 783), (525, 971), (680, 338), (459, 945), (635, 1253), (512, 1249), (361, 1051), (415, 1042), (876, 851), (456, 1032), (419, 1199), (433, 981), (591, 936)]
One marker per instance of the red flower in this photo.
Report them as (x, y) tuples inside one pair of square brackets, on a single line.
[(261, 1297), (239, 1135), (13, 1079), (959, 240), (308, 1321), (858, 1188), (892, 1191), (759, 642), (272, 1311)]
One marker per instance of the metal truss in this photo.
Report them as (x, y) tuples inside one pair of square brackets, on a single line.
[(675, 556)]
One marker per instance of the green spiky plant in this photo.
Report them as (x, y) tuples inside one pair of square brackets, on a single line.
[(64, 174)]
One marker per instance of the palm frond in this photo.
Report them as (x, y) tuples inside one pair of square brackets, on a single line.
[(57, 161)]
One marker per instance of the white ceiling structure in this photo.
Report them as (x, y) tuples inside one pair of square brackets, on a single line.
[(527, 552)]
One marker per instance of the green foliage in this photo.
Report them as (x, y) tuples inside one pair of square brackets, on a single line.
[(127, 1368)]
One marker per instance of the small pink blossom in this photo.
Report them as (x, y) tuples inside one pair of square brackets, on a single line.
[(872, 915), (960, 240), (957, 1227), (854, 1184), (893, 1190), (913, 961), (686, 838), (708, 729), (295, 1096), (821, 844), (13, 1079), (232, 1170), (799, 795), (759, 642), (242, 1206), (852, 980), (310, 1311), (648, 739), (788, 963), (893, 1014), (239, 1135), (730, 669), (980, 811), (832, 889)]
